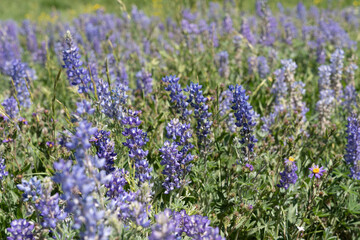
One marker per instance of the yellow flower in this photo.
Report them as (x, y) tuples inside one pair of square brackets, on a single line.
[(158, 7), (291, 159)]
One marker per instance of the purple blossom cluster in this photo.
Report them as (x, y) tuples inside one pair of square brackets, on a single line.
[(144, 81), (3, 172), (11, 107), (116, 183), (77, 75), (129, 206), (136, 139), (222, 61), (32, 189), (112, 102), (38, 53), (9, 44), (225, 100), (245, 119), (78, 188), (172, 225), (45, 203), (20, 75), (84, 107), (176, 164), (352, 156), (197, 100), (259, 65), (288, 176), (21, 229), (336, 66), (176, 155), (288, 94), (79, 182), (178, 99), (133, 207), (105, 149)]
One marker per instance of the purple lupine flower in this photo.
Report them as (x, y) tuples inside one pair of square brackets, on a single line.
[(188, 15), (164, 228), (337, 64), (178, 131), (252, 62), (288, 70), (245, 119), (105, 149), (350, 72), (84, 107), (349, 98), (270, 120), (116, 184), (261, 8), (9, 44), (301, 12), (84, 209), (213, 35), (269, 33), (3, 172), (20, 74), (134, 207), (325, 105), (136, 139), (195, 226), (316, 171), (280, 88), (201, 112), (112, 103), (176, 160), (288, 176), (222, 62), (31, 41), (225, 100), (262, 66), (291, 31), (297, 93), (21, 229), (77, 75), (227, 24), (48, 206), (176, 165), (80, 141), (352, 156), (144, 81), (172, 225), (32, 189), (324, 77), (11, 107), (247, 33), (178, 99)]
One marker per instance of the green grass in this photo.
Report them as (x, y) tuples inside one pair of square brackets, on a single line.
[(42, 9)]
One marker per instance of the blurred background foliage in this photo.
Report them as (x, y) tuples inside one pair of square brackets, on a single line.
[(48, 10)]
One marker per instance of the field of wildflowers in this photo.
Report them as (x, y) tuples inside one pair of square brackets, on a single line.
[(216, 123)]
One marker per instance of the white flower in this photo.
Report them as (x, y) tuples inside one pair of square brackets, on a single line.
[(301, 229)]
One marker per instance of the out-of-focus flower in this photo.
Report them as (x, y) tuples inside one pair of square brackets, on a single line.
[(21, 229)]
